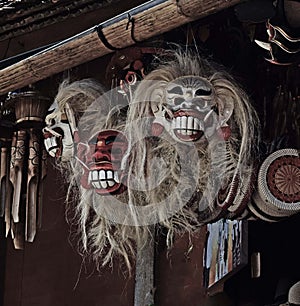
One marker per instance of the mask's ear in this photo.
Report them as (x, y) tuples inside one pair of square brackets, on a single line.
[(82, 150), (71, 117), (225, 109), (76, 137), (81, 153), (53, 115)]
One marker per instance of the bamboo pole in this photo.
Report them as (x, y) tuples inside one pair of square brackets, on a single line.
[(150, 19)]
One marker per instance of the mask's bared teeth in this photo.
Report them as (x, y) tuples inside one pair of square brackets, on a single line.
[(103, 179), (51, 145), (187, 128), (186, 125), (96, 185)]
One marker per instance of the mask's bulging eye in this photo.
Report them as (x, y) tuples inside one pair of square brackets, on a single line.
[(203, 92), (175, 90), (110, 139), (93, 141)]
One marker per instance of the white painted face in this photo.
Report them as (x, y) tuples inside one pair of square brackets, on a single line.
[(190, 110), (58, 133)]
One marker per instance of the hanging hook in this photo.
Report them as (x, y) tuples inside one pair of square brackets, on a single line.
[(131, 21), (102, 37)]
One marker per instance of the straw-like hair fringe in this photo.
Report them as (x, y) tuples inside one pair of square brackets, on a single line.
[(162, 175)]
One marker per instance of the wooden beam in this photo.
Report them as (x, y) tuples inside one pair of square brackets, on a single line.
[(150, 19)]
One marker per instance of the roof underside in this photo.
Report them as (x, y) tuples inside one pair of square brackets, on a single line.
[(23, 16)]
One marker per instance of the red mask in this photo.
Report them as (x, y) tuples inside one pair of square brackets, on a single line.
[(102, 158)]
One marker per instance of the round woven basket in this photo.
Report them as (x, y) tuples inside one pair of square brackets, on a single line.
[(278, 186)]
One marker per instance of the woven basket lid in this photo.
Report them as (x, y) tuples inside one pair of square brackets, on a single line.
[(264, 210), (279, 183), (294, 294)]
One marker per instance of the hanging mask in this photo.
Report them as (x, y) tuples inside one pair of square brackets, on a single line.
[(129, 66), (58, 133), (101, 159), (190, 111)]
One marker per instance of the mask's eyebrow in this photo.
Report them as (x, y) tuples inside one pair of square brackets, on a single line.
[(175, 90)]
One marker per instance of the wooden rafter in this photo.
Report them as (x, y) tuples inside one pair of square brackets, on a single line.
[(150, 19)]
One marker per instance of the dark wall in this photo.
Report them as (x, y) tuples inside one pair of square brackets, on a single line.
[(50, 271)]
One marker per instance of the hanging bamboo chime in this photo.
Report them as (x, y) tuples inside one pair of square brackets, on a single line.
[(23, 166)]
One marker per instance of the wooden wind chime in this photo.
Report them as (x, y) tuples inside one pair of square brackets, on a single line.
[(23, 165)]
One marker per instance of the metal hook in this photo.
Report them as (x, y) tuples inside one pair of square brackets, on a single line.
[(131, 21), (104, 40)]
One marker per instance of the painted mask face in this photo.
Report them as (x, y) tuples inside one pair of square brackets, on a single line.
[(189, 111), (101, 159), (58, 133)]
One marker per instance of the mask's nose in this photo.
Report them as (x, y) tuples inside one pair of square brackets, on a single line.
[(102, 153)]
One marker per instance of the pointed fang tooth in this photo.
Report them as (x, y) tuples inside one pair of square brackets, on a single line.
[(116, 177), (90, 177)]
